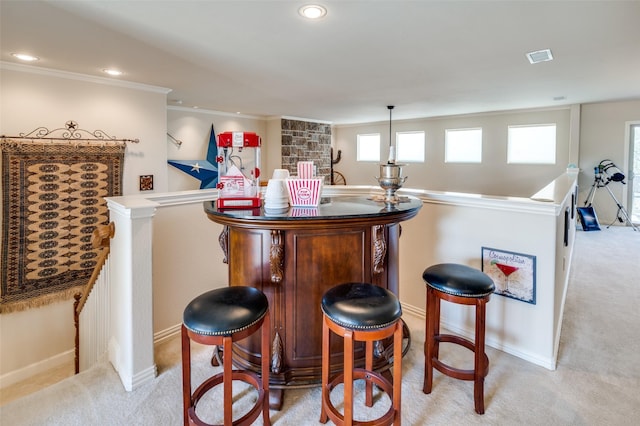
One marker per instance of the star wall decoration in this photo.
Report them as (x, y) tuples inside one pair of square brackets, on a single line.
[(206, 171)]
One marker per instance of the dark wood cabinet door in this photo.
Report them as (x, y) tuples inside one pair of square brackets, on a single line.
[(315, 262)]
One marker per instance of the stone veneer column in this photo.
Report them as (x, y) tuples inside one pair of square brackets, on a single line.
[(306, 141)]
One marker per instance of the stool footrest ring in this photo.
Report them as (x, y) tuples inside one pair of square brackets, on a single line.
[(361, 373), (246, 376), (457, 373)]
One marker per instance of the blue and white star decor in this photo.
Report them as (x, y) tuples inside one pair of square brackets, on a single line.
[(206, 171)]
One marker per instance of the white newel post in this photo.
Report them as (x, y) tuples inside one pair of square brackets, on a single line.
[(131, 342)]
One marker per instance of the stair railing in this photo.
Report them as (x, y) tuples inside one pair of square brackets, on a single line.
[(100, 239)]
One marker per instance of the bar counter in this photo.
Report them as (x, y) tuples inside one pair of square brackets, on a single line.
[(294, 256)]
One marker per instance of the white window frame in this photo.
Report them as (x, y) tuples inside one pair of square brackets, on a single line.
[(465, 145), (372, 152), (520, 147), (416, 154)]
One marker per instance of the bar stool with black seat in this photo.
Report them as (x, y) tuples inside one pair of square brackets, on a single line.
[(366, 313), (463, 285), (221, 317)]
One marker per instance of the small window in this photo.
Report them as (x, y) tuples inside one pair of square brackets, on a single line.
[(410, 147), (369, 147), (463, 145), (532, 144)]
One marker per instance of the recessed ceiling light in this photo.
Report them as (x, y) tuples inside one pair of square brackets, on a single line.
[(540, 56), (112, 72), (313, 11), (25, 57)]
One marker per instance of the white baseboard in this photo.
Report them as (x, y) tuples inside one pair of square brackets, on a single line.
[(547, 362), (31, 370), (418, 312), (133, 382), (166, 334), (67, 357)]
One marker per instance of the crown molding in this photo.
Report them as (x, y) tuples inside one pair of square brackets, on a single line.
[(82, 77), (213, 112)]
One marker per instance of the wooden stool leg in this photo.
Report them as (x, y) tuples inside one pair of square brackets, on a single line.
[(325, 369), (348, 378), (436, 325), (480, 367), (369, 367), (430, 340), (266, 357), (186, 374), (227, 381), (397, 372)]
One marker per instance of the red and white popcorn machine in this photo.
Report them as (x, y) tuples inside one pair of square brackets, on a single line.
[(238, 170)]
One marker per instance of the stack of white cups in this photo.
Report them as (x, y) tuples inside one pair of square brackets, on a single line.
[(276, 196)]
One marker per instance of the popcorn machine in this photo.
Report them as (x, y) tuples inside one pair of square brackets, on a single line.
[(238, 170)]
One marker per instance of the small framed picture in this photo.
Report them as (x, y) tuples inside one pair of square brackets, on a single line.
[(146, 182), (514, 274)]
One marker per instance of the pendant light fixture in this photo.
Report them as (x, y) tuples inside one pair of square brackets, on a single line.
[(392, 148), (391, 178)]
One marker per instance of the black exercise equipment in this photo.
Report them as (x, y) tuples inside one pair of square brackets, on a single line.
[(605, 173)]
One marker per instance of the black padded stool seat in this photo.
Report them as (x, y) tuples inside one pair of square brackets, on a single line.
[(459, 284), (361, 306), (459, 280), (368, 313), (225, 311), (220, 317)]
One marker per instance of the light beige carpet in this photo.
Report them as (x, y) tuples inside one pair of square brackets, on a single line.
[(597, 381)]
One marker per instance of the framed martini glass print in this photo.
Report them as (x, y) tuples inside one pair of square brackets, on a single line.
[(514, 274)]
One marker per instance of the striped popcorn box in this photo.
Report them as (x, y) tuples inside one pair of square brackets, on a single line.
[(304, 192), (304, 211), (305, 169)]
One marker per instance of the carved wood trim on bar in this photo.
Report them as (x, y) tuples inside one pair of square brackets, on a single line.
[(223, 240), (379, 249), (276, 256), (277, 354)]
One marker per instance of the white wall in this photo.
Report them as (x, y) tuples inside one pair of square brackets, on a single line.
[(274, 147), (32, 98), (603, 127), (187, 261), (493, 176), (454, 229)]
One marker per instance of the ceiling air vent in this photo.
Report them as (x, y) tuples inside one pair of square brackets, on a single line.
[(540, 56)]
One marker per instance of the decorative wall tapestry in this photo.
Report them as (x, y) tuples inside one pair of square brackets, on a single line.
[(52, 200)]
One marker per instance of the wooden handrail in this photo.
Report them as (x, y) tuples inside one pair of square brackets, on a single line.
[(101, 238)]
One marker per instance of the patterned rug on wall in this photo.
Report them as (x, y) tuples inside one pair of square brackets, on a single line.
[(52, 200)]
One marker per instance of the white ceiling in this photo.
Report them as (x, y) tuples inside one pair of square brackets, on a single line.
[(428, 58)]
